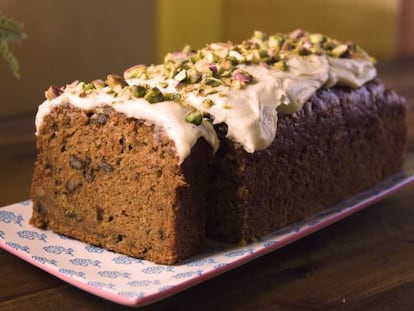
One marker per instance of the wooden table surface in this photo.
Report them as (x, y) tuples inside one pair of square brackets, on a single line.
[(365, 262)]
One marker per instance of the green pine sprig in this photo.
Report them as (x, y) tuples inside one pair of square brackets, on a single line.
[(10, 30)]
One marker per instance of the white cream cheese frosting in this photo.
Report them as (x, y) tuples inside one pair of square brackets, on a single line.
[(250, 112), (167, 115)]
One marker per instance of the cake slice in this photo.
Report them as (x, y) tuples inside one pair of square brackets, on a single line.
[(117, 181)]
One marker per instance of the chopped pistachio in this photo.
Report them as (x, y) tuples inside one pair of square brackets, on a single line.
[(238, 84), (226, 74), (53, 92), (88, 86), (317, 38), (242, 76), (211, 57), (154, 95), (328, 45), (281, 65), (114, 80), (135, 72), (276, 41), (208, 102), (98, 84), (236, 56), (221, 49), (163, 84), (196, 56), (172, 97), (316, 50), (339, 50), (138, 90), (193, 75), (287, 46), (212, 81), (209, 90), (263, 54), (195, 117), (302, 51), (216, 67), (297, 34)]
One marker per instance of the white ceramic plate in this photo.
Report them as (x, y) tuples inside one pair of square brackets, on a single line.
[(135, 282)]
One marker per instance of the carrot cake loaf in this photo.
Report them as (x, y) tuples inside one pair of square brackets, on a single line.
[(230, 142)]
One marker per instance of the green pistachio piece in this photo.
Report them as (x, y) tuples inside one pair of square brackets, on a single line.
[(316, 50), (195, 117), (208, 102), (328, 45), (275, 41), (135, 72), (297, 34), (225, 65), (138, 90), (208, 90), (238, 84), (263, 54), (317, 38), (154, 95), (339, 50), (226, 74), (163, 84), (211, 57), (242, 76), (236, 56), (176, 97), (221, 49), (212, 81), (114, 80), (303, 51), (88, 86), (98, 84), (281, 65), (256, 56), (287, 46), (193, 75), (196, 56)]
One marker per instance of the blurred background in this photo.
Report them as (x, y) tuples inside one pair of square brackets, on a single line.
[(78, 39), (87, 39)]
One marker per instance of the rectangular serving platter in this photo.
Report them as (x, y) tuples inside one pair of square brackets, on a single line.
[(134, 282)]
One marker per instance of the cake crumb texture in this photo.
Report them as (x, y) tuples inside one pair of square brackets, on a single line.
[(115, 182)]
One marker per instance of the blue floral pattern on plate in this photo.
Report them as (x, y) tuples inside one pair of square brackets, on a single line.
[(135, 282)]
